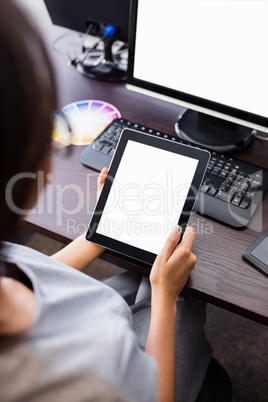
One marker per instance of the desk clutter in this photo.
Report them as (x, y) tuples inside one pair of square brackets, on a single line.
[(87, 119)]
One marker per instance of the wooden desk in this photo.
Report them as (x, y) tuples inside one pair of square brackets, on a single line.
[(221, 276)]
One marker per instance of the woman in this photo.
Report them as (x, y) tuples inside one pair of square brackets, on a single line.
[(65, 336)]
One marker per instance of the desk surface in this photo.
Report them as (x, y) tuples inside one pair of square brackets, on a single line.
[(221, 276)]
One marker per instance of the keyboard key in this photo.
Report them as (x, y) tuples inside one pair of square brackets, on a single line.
[(246, 202), (236, 200), (236, 184), (247, 180), (254, 187), (223, 174), (204, 188), (106, 149), (222, 195), (258, 178), (224, 187), (209, 182), (231, 176), (215, 171), (239, 179), (233, 171), (232, 191), (244, 186), (103, 141), (212, 191), (108, 136), (228, 182), (240, 194), (97, 146), (249, 194)]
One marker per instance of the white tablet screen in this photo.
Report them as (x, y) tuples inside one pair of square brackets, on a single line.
[(147, 196)]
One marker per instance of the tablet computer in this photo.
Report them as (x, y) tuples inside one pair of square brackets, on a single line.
[(152, 186)]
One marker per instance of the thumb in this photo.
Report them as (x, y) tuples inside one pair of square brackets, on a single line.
[(102, 176), (101, 179), (170, 243)]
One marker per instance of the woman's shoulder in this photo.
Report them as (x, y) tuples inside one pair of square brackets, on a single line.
[(31, 261), (16, 253), (49, 276)]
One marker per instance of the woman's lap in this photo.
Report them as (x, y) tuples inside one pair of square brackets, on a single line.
[(193, 352)]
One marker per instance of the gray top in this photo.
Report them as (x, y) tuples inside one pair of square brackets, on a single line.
[(82, 326)]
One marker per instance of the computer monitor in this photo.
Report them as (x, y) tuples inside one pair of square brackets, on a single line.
[(207, 56), (80, 15)]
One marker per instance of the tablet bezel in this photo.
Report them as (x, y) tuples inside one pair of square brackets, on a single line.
[(202, 156)]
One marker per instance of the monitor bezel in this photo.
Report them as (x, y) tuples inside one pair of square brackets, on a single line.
[(61, 14), (181, 98)]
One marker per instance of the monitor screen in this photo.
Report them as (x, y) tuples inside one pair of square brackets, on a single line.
[(205, 55)]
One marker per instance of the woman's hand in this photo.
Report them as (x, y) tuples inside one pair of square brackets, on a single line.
[(173, 264), (101, 179)]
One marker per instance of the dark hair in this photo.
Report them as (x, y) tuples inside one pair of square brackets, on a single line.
[(27, 100)]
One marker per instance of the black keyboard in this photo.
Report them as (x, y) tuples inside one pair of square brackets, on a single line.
[(231, 189)]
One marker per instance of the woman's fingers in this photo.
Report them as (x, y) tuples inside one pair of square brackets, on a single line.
[(188, 238), (173, 264), (170, 244), (186, 245)]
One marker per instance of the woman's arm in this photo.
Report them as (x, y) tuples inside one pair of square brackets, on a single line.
[(18, 307), (80, 252), (161, 345), (168, 276)]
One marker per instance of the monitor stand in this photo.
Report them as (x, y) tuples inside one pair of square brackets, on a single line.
[(103, 64), (213, 133)]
